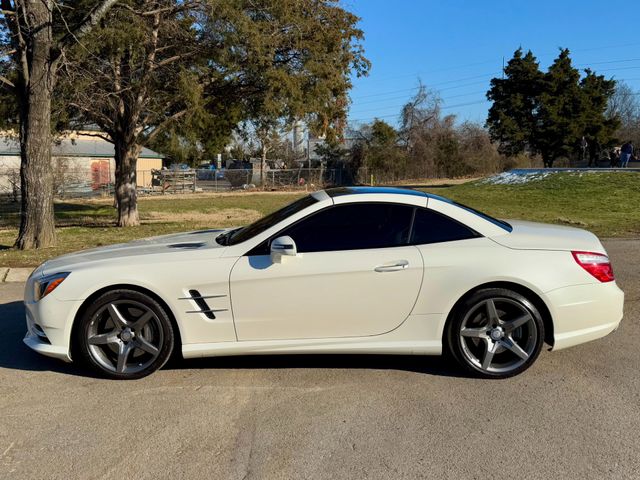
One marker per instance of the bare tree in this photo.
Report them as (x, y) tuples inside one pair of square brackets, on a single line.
[(36, 55), (420, 112), (625, 104), (268, 135)]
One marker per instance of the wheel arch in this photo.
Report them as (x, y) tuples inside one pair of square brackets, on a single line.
[(126, 286), (526, 292)]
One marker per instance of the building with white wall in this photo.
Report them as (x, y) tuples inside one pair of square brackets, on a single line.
[(82, 162)]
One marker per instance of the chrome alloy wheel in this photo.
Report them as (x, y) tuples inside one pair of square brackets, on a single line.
[(125, 336), (498, 335)]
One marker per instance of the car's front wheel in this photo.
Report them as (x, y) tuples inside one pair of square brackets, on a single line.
[(495, 333), (124, 334)]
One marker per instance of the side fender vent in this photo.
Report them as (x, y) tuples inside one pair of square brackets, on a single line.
[(202, 304)]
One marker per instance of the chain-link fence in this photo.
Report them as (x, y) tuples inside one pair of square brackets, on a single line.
[(97, 183)]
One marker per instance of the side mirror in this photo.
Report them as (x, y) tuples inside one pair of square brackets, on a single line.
[(283, 247)]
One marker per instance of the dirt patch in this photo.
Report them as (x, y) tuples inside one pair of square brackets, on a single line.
[(181, 196), (227, 216)]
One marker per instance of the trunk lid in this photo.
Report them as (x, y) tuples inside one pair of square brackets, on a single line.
[(542, 236)]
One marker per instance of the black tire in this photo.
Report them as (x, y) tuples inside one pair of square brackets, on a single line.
[(499, 348), (137, 343)]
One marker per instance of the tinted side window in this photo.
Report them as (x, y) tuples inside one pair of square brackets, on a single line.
[(353, 227), (433, 227)]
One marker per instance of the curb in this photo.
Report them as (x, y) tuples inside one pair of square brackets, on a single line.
[(9, 275)]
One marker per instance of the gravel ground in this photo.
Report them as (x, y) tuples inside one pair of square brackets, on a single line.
[(574, 414)]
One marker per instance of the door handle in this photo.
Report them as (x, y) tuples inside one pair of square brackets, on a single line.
[(394, 267)]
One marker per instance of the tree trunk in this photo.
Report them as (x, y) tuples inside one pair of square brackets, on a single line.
[(37, 224), (126, 194)]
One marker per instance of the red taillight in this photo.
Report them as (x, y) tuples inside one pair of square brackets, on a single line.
[(597, 264)]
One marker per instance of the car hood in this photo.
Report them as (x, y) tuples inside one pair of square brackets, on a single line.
[(198, 240), (542, 236)]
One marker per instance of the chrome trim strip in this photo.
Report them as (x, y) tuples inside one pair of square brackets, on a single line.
[(201, 296), (208, 311)]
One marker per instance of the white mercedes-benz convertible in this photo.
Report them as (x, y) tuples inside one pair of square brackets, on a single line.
[(346, 270)]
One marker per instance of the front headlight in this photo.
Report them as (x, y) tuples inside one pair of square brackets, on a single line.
[(45, 285)]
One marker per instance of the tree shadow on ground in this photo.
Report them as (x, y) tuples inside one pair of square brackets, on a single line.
[(67, 212), (74, 206)]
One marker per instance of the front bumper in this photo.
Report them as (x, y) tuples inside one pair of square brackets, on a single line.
[(49, 323), (582, 313), (37, 344)]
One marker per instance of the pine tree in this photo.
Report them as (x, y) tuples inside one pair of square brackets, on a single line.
[(561, 119), (550, 113), (599, 127), (512, 117)]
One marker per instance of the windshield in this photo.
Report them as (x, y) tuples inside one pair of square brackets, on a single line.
[(239, 235)]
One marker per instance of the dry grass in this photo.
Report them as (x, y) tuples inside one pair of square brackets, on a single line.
[(606, 204), (235, 216)]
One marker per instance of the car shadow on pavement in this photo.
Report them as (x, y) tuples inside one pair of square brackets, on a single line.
[(432, 365), (14, 354)]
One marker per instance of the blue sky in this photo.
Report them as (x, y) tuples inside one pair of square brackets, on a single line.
[(456, 46)]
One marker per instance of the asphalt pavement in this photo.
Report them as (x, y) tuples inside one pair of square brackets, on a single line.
[(574, 414)]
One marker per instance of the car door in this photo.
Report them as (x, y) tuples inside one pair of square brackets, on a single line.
[(355, 275)]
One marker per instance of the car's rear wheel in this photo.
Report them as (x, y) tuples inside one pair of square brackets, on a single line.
[(495, 333), (125, 334)]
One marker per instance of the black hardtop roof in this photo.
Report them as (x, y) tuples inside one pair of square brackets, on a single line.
[(340, 191)]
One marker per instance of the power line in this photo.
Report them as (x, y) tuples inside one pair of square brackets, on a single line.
[(377, 101), (404, 96), (486, 75), (363, 119), (606, 47), (617, 68), (493, 74), (485, 62), (609, 61), (447, 107), (453, 88), (417, 74), (402, 105), (398, 114)]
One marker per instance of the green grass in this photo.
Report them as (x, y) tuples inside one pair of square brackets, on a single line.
[(83, 224), (606, 203)]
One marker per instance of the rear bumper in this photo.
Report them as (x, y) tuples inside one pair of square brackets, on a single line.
[(582, 313)]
